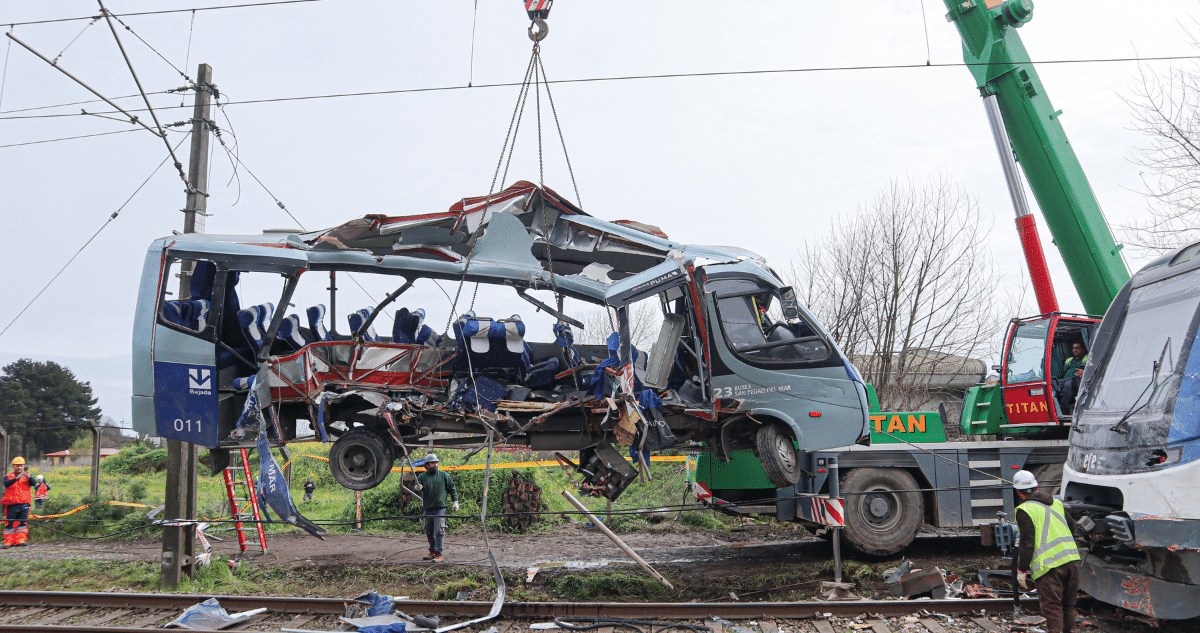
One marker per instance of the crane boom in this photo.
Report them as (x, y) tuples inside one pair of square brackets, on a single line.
[(1001, 67)]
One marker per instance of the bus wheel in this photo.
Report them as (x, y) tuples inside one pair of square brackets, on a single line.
[(884, 508), (359, 460), (777, 451)]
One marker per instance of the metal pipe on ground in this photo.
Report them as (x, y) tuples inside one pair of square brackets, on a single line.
[(616, 539)]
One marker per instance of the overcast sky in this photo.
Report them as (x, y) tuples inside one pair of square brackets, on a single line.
[(761, 161)]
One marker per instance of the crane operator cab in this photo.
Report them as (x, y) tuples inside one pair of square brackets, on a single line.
[(737, 361), (1043, 363)]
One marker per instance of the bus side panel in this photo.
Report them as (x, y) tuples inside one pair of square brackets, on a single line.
[(185, 387), (143, 342)]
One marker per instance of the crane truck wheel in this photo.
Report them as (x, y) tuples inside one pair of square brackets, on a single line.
[(1049, 478), (359, 460), (881, 517), (777, 450)]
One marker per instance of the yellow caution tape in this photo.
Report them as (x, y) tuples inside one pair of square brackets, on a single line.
[(84, 507), (537, 464)]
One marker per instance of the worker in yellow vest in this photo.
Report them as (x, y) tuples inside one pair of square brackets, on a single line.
[(1047, 553)]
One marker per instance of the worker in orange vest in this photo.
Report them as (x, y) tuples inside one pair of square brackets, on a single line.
[(41, 492), (18, 492)]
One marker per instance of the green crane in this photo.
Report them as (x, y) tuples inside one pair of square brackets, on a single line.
[(1001, 67), (1033, 393)]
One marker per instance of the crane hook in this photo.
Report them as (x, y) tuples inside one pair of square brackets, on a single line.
[(538, 30)]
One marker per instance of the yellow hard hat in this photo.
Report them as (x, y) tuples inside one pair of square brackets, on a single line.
[(18, 461)]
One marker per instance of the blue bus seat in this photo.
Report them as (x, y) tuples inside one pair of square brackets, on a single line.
[(359, 317), (290, 334), (316, 322)]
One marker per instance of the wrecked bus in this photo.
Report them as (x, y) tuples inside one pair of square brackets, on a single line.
[(737, 362)]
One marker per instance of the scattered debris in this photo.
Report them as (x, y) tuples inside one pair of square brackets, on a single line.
[(210, 616), (543, 626), (837, 591), (426, 621), (521, 502), (917, 582), (377, 624)]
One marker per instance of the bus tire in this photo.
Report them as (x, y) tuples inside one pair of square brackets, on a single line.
[(884, 508), (777, 451), (359, 460)]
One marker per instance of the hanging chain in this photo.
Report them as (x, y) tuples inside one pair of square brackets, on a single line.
[(514, 125), (563, 140)]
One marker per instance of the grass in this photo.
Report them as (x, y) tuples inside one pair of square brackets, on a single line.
[(333, 506), (619, 585)]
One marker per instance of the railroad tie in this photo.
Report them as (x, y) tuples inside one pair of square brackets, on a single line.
[(879, 626), (932, 625), (298, 620), (716, 626), (158, 616), (823, 626), (108, 617), (768, 626), (23, 614), (62, 615), (986, 625)]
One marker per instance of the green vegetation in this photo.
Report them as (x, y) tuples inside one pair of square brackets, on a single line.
[(621, 585), (134, 476), (44, 407)]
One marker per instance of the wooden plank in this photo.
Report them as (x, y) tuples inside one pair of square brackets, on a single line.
[(715, 625), (986, 625), (823, 626), (150, 619), (879, 626), (933, 626), (768, 626), (107, 617), (298, 620), (62, 615), (507, 626), (24, 614)]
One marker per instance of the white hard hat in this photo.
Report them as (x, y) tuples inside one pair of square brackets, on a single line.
[(431, 458), (1024, 480)]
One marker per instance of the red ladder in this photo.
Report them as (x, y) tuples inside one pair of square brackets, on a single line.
[(239, 513)]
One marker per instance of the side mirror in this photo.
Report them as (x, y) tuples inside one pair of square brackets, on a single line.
[(788, 303)]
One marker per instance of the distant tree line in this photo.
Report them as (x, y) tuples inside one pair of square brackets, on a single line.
[(44, 407)]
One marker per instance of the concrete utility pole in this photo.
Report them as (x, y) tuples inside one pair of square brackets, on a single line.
[(178, 550), (4, 448), (95, 457)]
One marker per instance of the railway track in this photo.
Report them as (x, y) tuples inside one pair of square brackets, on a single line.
[(118, 612)]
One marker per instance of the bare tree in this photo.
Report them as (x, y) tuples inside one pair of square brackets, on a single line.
[(907, 288), (645, 319), (1166, 108)]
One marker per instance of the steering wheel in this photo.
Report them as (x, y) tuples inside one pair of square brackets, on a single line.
[(771, 328)]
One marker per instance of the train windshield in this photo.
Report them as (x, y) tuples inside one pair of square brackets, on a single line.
[(1156, 324)]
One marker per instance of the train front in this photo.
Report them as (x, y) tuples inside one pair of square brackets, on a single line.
[(1133, 465)]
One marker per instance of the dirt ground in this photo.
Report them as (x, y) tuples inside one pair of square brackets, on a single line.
[(761, 561)]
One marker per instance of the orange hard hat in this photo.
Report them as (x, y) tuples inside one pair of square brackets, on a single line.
[(18, 461)]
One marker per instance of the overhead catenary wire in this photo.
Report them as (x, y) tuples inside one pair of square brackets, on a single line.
[(729, 73), (87, 101), (168, 11), (178, 164), (4, 73), (67, 138), (90, 239)]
